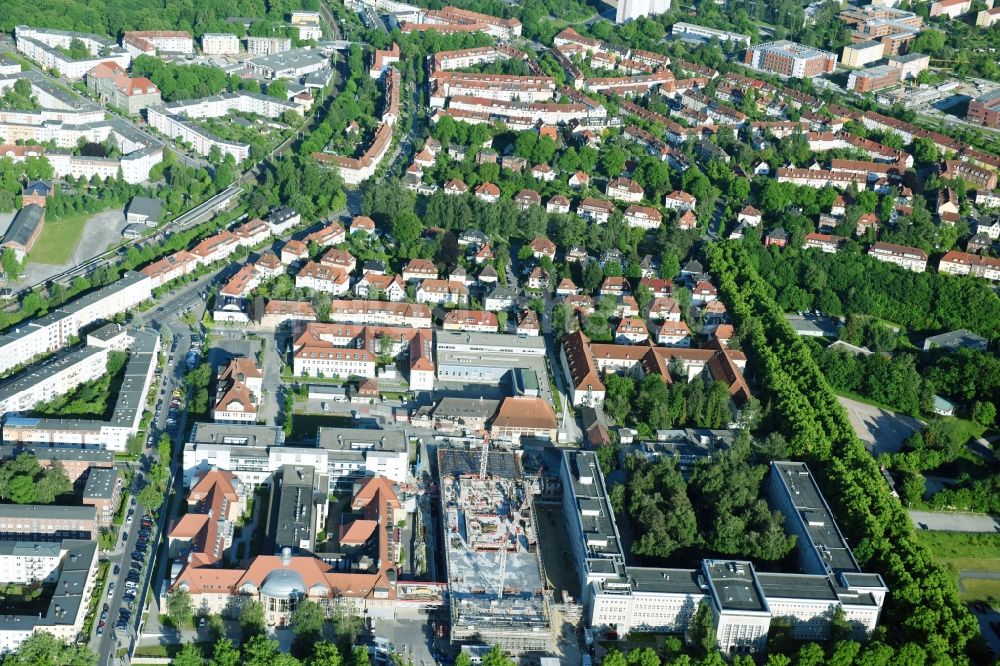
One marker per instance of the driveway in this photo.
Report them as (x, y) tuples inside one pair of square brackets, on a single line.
[(881, 430), (947, 521)]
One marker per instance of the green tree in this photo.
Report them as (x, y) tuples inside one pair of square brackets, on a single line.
[(252, 619), (496, 657), (325, 654), (44, 649), (22, 490), (278, 89), (984, 413), (225, 653), (180, 607), (307, 625), (701, 631), (190, 655), (150, 497)]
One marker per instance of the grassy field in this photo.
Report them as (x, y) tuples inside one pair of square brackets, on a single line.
[(965, 551), (58, 240)]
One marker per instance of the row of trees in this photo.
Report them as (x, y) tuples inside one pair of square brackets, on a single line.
[(924, 613), (720, 509)]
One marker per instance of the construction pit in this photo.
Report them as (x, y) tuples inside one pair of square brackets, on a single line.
[(495, 579)]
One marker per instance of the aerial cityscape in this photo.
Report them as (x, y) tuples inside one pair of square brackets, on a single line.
[(501, 332)]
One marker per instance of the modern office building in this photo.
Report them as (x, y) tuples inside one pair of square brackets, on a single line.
[(787, 58), (743, 601)]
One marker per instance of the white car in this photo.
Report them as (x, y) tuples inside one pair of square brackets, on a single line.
[(111, 589)]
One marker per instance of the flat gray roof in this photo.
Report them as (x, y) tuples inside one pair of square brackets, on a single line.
[(74, 569), (360, 439), (47, 511), (30, 548), (675, 581), (292, 522), (295, 58), (733, 585), (814, 515), (62, 453), (796, 586), (248, 436), (38, 374), (101, 483), (457, 408), (503, 343)]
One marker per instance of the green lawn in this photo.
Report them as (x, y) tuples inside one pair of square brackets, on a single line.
[(58, 240), (966, 551)]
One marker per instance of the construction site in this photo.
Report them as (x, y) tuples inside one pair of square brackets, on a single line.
[(495, 577)]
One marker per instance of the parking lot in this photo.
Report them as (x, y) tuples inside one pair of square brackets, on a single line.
[(881, 430)]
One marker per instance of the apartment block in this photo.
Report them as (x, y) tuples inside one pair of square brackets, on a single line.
[(910, 258), (862, 53), (220, 43), (255, 452), (787, 58), (964, 263), (102, 491), (258, 46), (110, 82), (42, 46), (985, 109), (629, 10), (157, 42), (873, 79), (690, 30), (74, 578)]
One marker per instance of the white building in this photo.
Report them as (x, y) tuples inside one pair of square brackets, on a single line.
[(153, 42), (258, 46), (23, 342), (742, 600), (40, 45), (629, 10), (220, 43), (910, 258), (255, 452)]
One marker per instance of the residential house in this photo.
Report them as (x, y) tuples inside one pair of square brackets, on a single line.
[(442, 292), (687, 221), (528, 324), (703, 292), (488, 192), (777, 237), (320, 277), (543, 247), (749, 216), (824, 242), (455, 186), (566, 287), (631, 330), (484, 254), (613, 286), (543, 172), (664, 308), (538, 279), (595, 210), (681, 201), (420, 269), (488, 275), (557, 204), (673, 334), (501, 298), (910, 258), (624, 189), (338, 258), (578, 180), (471, 321), (294, 250), (362, 224), (526, 198), (643, 217), (378, 286)]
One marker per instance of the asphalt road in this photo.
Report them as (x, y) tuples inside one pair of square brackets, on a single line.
[(948, 521)]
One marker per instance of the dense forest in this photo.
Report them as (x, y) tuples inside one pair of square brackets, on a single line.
[(113, 17)]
